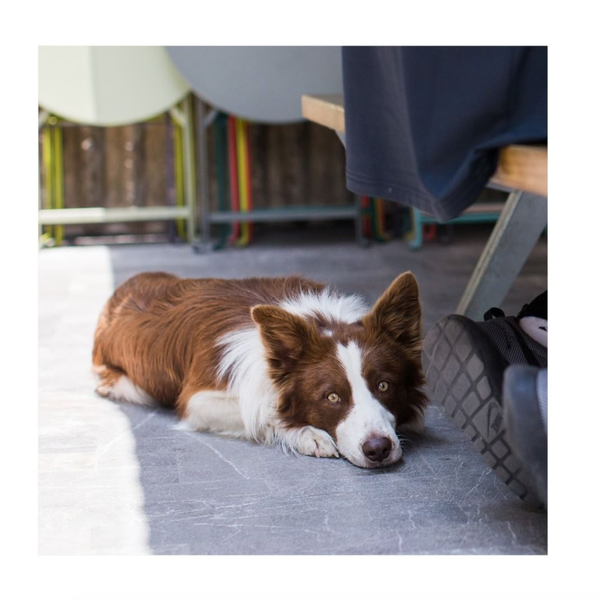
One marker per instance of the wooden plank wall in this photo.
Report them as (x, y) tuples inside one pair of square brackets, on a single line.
[(293, 164)]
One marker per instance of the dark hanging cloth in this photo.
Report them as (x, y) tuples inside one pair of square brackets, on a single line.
[(424, 124)]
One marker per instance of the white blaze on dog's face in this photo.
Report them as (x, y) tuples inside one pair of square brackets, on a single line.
[(357, 381), (366, 436)]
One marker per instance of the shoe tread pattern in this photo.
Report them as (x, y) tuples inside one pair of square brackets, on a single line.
[(455, 358)]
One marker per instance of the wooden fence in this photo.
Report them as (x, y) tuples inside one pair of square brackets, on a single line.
[(292, 165)]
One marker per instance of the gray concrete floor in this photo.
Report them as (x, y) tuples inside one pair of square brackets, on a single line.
[(117, 479)]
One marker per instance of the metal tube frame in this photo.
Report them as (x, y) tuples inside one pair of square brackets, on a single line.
[(184, 118), (202, 123), (516, 232), (286, 214)]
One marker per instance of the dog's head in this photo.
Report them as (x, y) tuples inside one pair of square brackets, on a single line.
[(357, 381)]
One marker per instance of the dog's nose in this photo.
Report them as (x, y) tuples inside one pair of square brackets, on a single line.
[(377, 449)]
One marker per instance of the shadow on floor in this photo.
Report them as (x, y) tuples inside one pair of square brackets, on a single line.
[(209, 495)]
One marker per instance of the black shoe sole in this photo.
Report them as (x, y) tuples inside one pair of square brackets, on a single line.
[(464, 372)]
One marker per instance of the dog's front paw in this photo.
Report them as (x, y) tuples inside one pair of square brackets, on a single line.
[(316, 442), (104, 390)]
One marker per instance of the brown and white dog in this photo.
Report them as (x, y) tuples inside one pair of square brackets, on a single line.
[(282, 360)]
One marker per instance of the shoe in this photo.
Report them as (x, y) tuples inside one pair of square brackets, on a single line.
[(525, 399), (521, 340), (464, 364)]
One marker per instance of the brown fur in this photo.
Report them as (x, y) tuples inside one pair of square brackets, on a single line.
[(305, 369), (162, 332)]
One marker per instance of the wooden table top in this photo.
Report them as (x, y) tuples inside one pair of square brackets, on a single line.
[(519, 167)]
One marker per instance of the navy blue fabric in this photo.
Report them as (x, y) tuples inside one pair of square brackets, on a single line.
[(424, 124)]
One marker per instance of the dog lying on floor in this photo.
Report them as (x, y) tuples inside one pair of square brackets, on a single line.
[(283, 360)]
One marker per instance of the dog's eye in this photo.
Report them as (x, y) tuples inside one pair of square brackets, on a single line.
[(383, 386), (333, 398)]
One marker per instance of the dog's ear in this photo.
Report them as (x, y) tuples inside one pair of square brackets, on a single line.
[(286, 336), (397, 314)]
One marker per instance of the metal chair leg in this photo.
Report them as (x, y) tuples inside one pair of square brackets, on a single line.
[(522, 221), (203, 121), (189, 167), (417, 223)]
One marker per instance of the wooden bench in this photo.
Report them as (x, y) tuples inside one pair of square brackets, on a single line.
[(522, 170), (520, 167)]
